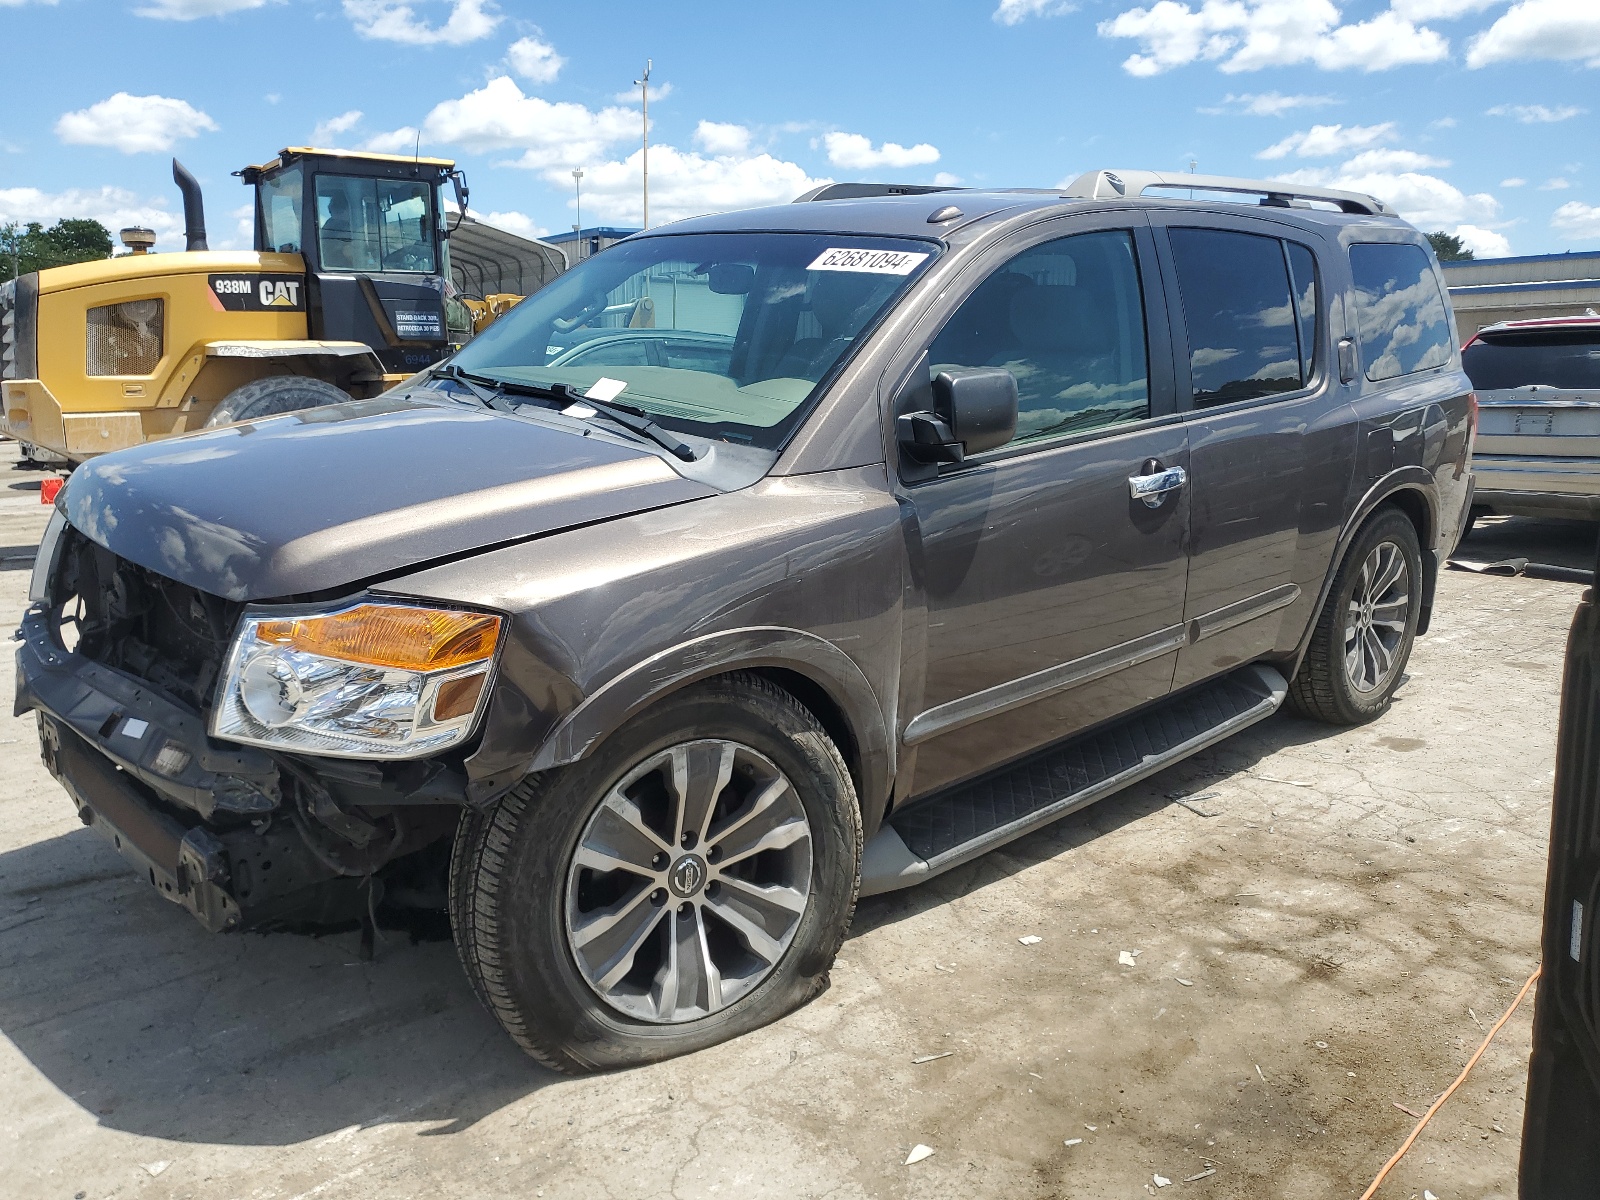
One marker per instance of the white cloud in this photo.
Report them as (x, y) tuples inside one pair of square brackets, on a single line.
[(1386, 41), (192, 10), (1536, 114), (498, 116), (1578, 219), (20, 3), (658, 91), (1391, 160), (1557, 184), (1010, 12), (1485, 243), (1430, 10), (685, 185), (1424, 200), (1268, 104), (396, 141), (945, 179), (1321, 141), (394, 21), (114, 207), (1558, 29), (133, 124), (1248, 35), (1443, 123), (535, 60), (512, 222), (326, 131), (1513, 182), (854, 152), (715, 137)]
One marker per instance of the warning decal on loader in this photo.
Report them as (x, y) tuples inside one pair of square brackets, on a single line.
[(258, 293)]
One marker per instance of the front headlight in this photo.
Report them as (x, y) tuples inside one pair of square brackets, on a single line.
[(374, 680)]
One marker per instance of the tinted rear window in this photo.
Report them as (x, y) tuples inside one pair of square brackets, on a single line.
[(1567, 358), (1405, 326), (1244, 328)]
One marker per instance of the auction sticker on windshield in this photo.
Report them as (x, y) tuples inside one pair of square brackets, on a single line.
[(872, 262)]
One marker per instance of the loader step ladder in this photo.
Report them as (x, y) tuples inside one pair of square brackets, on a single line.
[(953, 827)]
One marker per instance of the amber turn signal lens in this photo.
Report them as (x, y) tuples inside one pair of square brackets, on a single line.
[(384, 635), (458, 697)]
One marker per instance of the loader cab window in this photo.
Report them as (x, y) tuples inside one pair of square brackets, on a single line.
[(280, 211), (374, 224)]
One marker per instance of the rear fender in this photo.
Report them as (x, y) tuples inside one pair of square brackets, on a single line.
[(1413, 490)]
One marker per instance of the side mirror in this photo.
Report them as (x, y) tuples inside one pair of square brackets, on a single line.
[(974, 409)]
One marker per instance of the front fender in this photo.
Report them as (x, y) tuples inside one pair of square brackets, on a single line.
[(817, 659)]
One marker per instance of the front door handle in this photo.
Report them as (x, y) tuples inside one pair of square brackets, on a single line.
[(1154, 487)]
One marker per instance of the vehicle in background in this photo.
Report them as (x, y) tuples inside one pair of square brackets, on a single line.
[(1560, 1153), (1538, 445), (343, 296), (949, 515)]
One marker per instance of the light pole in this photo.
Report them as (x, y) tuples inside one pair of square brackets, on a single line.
[(577, 187), (644, 90)]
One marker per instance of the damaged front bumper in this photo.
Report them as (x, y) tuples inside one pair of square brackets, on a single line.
[(205, 824)]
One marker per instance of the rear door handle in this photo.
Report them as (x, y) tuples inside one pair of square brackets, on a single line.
[(1153, 488)]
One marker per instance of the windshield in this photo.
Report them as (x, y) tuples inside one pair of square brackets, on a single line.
[(724, 335), (374, 224), (1559, 358)]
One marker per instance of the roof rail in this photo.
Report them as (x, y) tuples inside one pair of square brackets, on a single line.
[(1114, 185), (856, 191)]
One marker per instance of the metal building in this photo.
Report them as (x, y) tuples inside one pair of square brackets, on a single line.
[(586, 243), (1486, 290)]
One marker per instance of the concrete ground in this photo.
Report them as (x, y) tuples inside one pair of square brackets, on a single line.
[(1328, 942)]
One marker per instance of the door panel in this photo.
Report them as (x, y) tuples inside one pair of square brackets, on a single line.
[(1270, 438), (1047, 587), (1040, 562)]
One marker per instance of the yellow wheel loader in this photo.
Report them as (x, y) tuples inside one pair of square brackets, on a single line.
[(344, 295)]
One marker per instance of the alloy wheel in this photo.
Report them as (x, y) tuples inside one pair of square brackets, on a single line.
[(689, 882), (1377, 617)]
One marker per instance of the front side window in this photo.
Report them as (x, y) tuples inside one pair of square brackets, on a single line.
[(1067, 319), (279, 197), (374, 224), (1243, 321), (723, 335), (1404, 323)]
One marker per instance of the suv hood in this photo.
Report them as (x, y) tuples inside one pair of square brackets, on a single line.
[(323, 498)]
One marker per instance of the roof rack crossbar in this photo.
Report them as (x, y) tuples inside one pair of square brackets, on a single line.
[(1116, 185)]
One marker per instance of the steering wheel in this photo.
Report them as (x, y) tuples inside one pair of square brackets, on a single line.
[(407, 258)]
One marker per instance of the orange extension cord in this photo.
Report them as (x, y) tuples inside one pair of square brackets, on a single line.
[(1449, 1091)]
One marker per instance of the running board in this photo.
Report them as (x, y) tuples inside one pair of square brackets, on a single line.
[(944, 831)]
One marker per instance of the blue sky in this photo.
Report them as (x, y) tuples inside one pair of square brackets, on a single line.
[(1475, 116)]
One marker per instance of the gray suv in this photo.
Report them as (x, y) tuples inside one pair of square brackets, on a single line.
[(902, 522)]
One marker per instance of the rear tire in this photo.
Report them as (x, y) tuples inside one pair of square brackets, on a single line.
[(590, 966), (271, 397), (1364, 633)]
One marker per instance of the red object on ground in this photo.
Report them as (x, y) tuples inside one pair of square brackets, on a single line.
[(48, 489)]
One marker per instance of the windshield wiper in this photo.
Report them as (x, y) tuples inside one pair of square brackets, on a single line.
[(473, 384), (632, 418)]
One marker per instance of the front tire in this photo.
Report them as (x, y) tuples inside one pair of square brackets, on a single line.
[(271, 397), (687, 882), (1366, 628)]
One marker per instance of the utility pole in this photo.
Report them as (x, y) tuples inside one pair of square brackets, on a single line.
[(644, 90), (577, 186)]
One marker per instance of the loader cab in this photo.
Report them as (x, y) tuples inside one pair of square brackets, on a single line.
[(373, 233)]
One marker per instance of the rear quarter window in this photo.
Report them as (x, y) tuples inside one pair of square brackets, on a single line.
[(1404, 324)]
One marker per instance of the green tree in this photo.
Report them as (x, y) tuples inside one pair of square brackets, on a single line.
[(1448, 247), (35, 248)]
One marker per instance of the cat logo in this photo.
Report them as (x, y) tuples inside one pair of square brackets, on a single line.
[(258, 293), (281, 293)]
